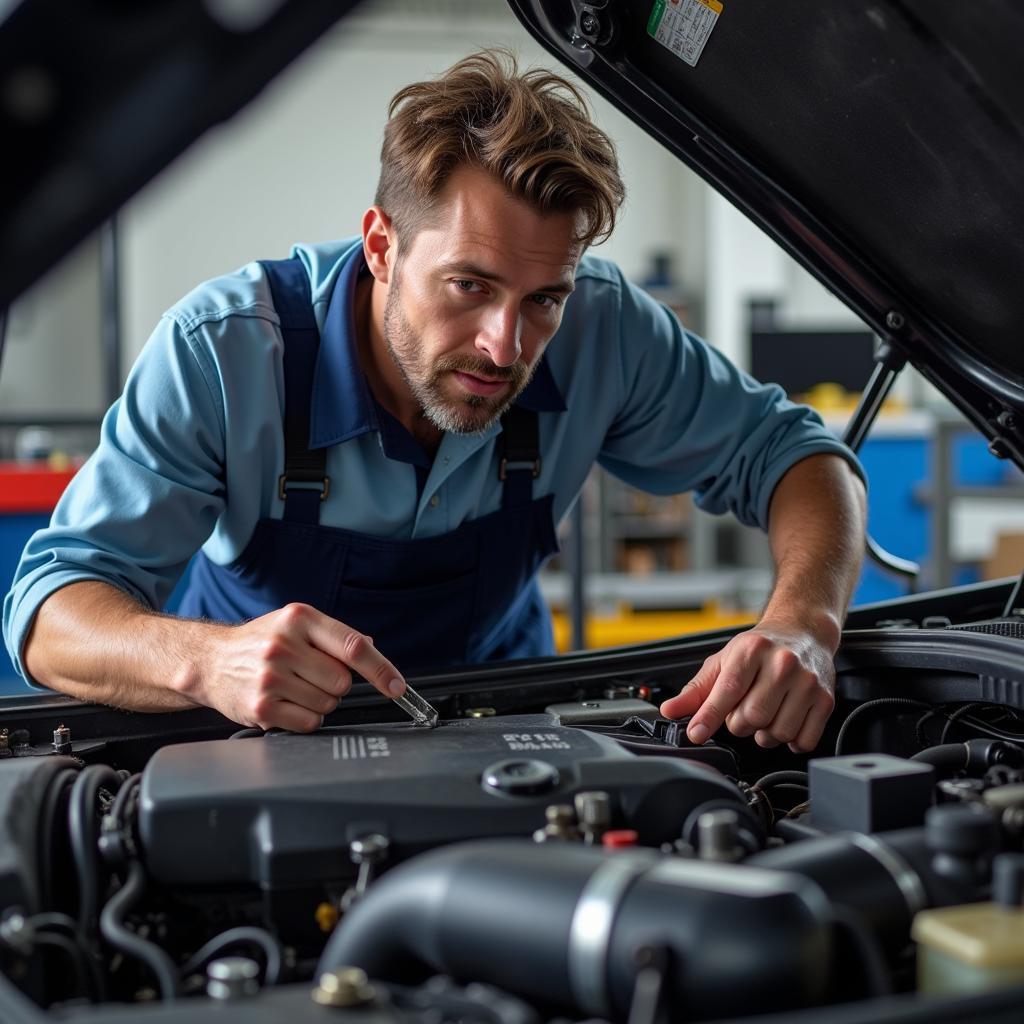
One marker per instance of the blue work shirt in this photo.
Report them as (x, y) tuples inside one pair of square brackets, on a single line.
[(190, 454)]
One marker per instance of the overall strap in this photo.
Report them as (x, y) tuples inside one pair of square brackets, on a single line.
[(519, 455), (304, 482)]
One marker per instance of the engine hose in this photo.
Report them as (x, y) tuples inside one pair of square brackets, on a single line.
[(775, 778), (272, 953), (83, 826), (124, 795), (113, 930), (74, 954), (947, 759), (562, 923), (885, 878), (51, 808)]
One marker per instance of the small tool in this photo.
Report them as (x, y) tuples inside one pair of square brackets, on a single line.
[(420, 711)]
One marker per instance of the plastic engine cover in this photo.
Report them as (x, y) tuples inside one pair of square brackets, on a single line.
[(282, 809)]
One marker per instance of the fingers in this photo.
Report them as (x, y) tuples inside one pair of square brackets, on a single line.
[(284, 701), (759, 685), (324, 672), (814, 725), (351, 648), (737, 669), (692, 695)]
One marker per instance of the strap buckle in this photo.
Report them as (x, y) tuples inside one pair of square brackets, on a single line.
[(513, 464), (323, 482)]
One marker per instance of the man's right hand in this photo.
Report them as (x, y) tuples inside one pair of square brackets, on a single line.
[(286, 669)]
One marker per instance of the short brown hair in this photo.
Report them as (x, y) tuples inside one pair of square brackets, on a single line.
[(531, 131)]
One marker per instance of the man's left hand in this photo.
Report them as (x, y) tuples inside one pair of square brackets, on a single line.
[(775, 683)]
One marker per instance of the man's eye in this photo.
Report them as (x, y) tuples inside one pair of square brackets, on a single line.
[(465, 285), (546, 301)]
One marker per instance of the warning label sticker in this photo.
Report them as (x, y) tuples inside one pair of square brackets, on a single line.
[(684, 25)]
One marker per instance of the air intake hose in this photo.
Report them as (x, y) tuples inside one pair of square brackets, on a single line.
[(563, 923)]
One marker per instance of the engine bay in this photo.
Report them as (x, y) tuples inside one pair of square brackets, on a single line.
[(554, 850)]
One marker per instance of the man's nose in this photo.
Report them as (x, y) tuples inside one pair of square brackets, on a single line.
[(500, 337)]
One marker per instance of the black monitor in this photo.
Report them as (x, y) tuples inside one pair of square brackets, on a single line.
[(798, 360)]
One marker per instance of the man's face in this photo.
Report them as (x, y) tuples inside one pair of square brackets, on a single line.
[(474, 298)]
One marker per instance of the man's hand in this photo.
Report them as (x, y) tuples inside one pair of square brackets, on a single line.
[(777, 683), (777, 680), (286, 669)]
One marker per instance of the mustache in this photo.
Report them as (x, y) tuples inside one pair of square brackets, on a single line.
[(516, 373)]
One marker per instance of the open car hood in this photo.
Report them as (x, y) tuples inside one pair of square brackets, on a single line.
[(880, 143)]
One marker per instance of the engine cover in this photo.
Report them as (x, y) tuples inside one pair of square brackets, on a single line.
[(281, 810)]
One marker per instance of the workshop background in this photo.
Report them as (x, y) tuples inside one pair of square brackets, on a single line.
[(300, 164)]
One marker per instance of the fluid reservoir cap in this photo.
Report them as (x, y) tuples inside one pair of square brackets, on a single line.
[(520, 776), (964, 829), (617, 838)]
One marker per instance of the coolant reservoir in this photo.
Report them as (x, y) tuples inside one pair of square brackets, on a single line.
[(977, 947)]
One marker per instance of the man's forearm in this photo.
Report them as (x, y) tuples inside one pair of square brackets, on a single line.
[(94, 642), (816, 529), (284, 669)]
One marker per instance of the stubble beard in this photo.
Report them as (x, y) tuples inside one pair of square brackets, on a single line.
[(467, 414)]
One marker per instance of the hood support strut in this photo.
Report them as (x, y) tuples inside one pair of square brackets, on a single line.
[(889, 363)]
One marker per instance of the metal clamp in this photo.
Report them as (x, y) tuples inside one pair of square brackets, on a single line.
[(324, 483), (506, 464)]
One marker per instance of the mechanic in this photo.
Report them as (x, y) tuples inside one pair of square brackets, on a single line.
[(372, 443)]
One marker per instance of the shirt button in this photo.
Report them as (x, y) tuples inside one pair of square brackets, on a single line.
[(434, 501)]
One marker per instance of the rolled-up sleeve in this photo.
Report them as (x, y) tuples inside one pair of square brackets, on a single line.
[(690, 420), (145, 500)]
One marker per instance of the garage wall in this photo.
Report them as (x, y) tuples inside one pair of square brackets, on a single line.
[(301, 163)]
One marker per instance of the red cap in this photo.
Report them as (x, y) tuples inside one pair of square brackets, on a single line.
[(616, 838)]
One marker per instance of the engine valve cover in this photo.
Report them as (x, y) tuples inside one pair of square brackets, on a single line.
[(282, 809)]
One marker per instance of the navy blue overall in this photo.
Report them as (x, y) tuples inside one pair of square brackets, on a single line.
[(465, 596)]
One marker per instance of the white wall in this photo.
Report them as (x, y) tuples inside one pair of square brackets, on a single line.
[(301, 162), (52, 360)]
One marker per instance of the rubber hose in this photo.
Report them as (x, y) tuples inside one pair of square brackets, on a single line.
[(113, 930)]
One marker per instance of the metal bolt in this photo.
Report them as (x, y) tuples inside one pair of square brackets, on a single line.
[(595, 814), (347, 986), (62, 740), (589, 24), (16, 933), (717, 836), (561, 825), (232, 977), (894, 320), (961, 790), (366, 851)]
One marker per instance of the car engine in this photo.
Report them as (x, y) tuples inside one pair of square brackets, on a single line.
[(581, 860)]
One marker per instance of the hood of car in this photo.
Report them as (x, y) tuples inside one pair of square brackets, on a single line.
[(881, 143)]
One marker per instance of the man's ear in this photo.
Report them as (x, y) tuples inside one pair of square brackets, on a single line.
[(380, 246)]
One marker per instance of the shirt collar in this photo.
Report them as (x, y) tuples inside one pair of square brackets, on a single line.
[(343, 406)]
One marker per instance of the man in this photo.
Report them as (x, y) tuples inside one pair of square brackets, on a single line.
[(373, 441)]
